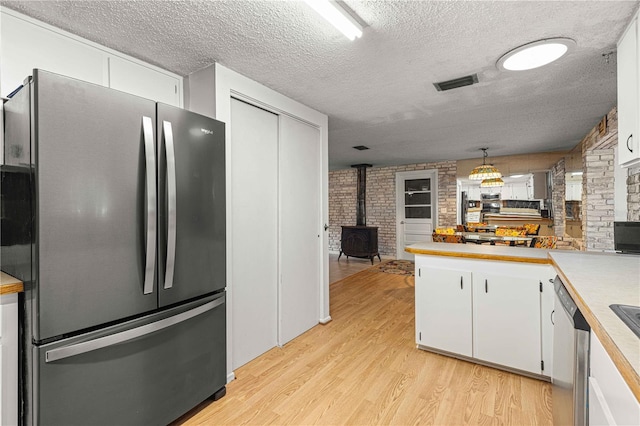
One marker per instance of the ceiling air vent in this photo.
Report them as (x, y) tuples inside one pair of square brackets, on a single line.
[(361, 147), (457, 82)]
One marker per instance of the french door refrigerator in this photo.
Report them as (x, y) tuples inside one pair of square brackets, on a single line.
[(124, 261)]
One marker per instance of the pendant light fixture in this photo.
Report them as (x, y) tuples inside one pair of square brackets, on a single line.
[(485, 171), (493, 182)]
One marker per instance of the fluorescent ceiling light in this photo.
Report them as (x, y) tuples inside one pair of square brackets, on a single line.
[(516, 176), (536, 54), (338, 17)]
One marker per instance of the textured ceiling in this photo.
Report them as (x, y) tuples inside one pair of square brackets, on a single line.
[(378, 90)]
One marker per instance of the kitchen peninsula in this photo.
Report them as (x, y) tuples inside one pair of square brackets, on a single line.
[(499, 301)]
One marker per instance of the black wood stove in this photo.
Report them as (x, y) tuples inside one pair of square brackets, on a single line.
[(361, 240)]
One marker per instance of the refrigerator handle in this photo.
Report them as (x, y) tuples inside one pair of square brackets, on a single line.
[(171, 195), (124, 336), (150, 161)]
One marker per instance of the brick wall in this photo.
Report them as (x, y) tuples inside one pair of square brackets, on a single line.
[(381, 201), (598, 211), (558, 197), (633, 194), (342, 203)]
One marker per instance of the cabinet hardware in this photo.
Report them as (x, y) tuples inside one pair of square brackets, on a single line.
[(326, 226), (419, 272), (460, 283), (542, 365), (420, 336), (551, 317), (551, 280), (486, 286), (628, 139), (540, 286)]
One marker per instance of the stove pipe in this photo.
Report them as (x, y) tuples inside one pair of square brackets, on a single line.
[(361, 208)]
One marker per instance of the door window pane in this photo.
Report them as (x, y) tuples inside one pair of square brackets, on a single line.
[(417, 185), (417, 212), (417, 198)]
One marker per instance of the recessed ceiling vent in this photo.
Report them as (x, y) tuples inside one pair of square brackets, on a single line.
[(361, 147), (457, 82)]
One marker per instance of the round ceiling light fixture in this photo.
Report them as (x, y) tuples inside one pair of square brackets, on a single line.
[(535, 54)]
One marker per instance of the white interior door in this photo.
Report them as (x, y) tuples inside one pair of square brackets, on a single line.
[(416, 209), (254, 226), (300, 227)]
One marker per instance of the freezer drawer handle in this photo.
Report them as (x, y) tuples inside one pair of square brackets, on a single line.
[(150, 161), (171, 192), (114, 339)]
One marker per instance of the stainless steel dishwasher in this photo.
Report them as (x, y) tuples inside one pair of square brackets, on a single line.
[(570, 360)]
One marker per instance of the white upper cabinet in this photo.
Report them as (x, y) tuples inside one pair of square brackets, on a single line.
[(573, 191), (628, 97), (26, 46), (143, 81)]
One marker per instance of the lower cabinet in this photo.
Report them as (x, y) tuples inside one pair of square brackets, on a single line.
[(506, 320), (611, 401), (443, 310), (493, 311), (9, 359)]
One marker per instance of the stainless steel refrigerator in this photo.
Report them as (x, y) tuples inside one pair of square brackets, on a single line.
[(114, 208)]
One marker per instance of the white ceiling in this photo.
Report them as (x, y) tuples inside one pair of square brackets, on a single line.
[(378, 90)]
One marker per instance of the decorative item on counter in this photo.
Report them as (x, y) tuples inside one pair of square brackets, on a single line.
[(485, 171)]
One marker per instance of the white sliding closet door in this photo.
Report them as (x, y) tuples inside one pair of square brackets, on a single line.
[(300, 227), (254, 223)]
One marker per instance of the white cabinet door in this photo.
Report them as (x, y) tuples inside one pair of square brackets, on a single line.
[(473, 191), (26, 46), (547, 314), (443, 309), (506, 319), (519, 191), (614, 395), (628, 94), (9, 359), (137, 79)]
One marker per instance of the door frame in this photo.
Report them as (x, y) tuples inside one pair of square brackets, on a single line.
[(230, 84), (400, 178)]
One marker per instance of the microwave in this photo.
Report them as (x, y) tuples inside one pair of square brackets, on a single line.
[(626, 237)]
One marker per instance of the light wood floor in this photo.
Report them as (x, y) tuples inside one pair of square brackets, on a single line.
[(363, 368), (340, 269)]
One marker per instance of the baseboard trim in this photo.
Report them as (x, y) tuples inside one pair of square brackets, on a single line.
[(325, 320), (485, 363), (231, 377)]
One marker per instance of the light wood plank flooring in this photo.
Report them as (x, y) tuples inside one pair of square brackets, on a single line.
[(363, 368), (340, 269)]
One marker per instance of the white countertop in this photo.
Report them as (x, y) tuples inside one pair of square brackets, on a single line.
[(598, 280), (482, 251)]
